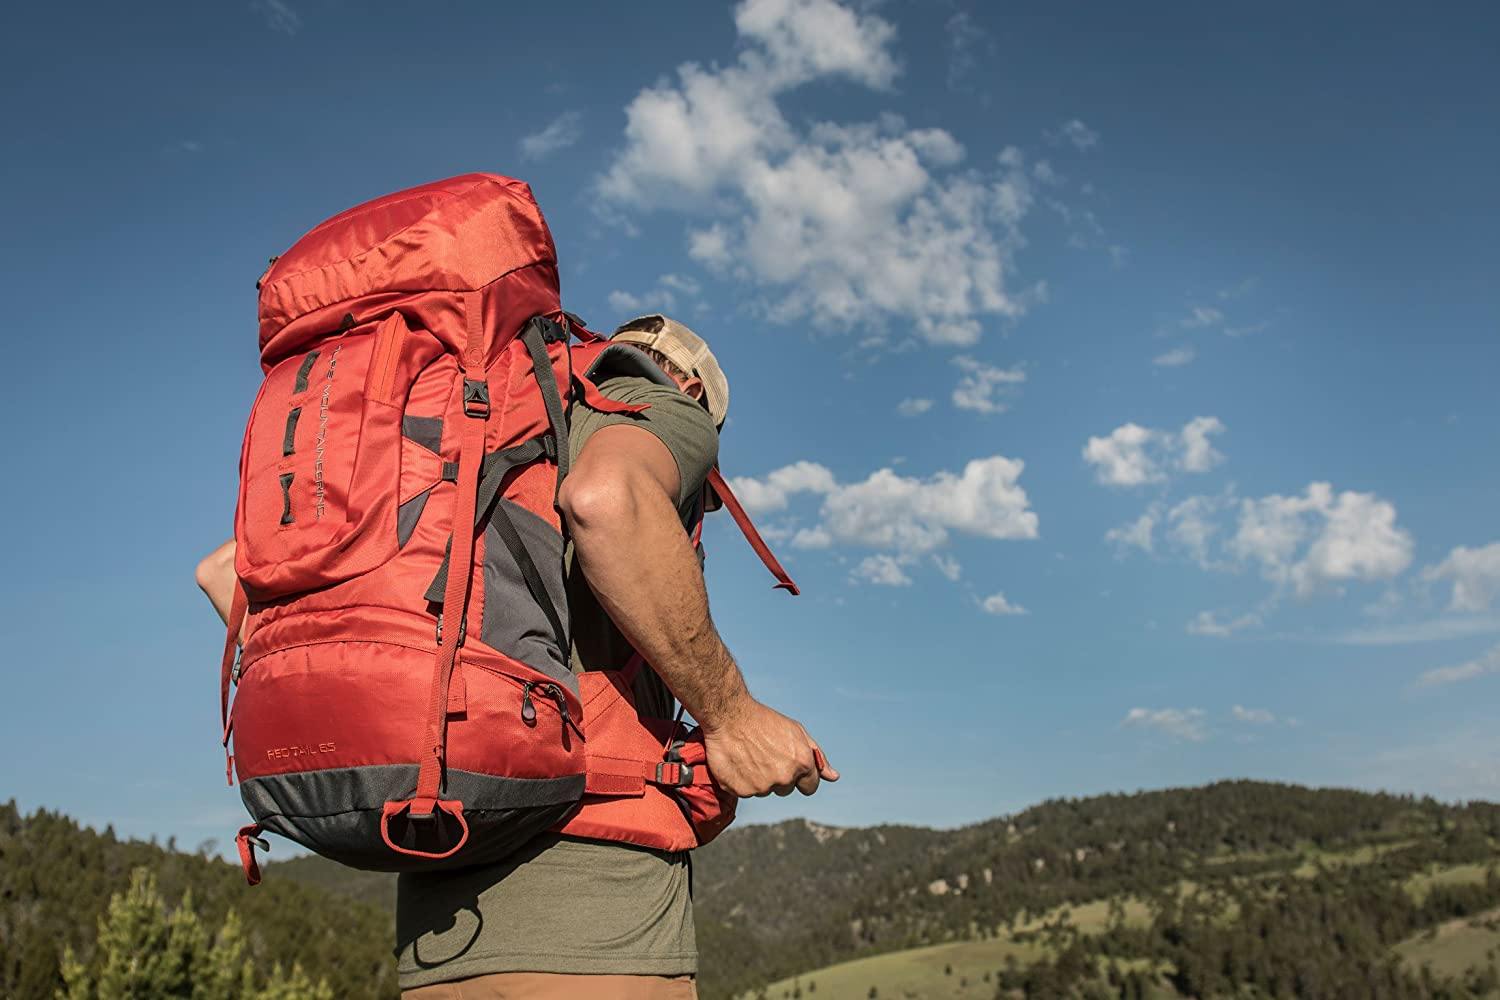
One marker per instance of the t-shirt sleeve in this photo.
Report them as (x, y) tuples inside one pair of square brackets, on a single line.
[(676, 419)]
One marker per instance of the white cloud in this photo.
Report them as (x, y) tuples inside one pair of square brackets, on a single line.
[(1487, 663), (680, 283), (1132, 455), (1206, 623), (1309, 543), (913, 407), (628, 302), (1176, 357), (1240, 288), (811, 538), (1179, 723), (661, 298), (1191, 527), (1202, 316), (1475, 574), (279, 15), (1076, 133), (883, 570), (1254, 716), (806, 39), (1137, 534), (1432, 630), (900, 516), (997, 604), (948, 566), (908, 514), (980, 383), (1196, 454), (1348, 536), (771, 493), (1121, 459), (562, 132), (710, 246), (850, 225), (966, 41)]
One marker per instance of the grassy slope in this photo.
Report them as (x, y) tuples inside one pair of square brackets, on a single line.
[(923, 972), (1454, 946)]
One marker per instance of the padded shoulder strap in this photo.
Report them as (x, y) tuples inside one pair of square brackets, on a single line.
[(623, 359)]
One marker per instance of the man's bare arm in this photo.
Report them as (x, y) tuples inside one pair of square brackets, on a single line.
[(216, 578), (629, 542)]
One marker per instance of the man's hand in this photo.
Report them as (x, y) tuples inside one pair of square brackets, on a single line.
[(755, 750)]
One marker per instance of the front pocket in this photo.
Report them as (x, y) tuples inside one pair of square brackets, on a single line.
[(327, 733), (321, 465)]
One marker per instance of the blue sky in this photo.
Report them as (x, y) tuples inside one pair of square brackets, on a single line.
[(1118, 384)]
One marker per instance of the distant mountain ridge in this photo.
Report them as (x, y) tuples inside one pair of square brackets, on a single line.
[(775, 900)]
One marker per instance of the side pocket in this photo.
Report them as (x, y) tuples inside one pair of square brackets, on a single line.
[(321, 466)]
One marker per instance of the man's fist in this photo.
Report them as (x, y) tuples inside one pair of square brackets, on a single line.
[(755, 750)]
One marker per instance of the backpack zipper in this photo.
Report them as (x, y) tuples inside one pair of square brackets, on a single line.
[(387, 353)]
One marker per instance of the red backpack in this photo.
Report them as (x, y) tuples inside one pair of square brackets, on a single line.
[(404, 700)]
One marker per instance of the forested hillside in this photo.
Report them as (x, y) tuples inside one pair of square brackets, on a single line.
[(56, 880), (1235, 889)]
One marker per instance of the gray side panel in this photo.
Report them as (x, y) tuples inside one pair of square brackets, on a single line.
[(425, 431), (513, 623), (407, 516), (337, 812)]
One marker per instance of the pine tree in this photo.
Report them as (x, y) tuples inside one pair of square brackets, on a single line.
[(144, 951), (293, 986)]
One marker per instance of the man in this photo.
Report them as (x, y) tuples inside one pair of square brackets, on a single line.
[(574, 918)]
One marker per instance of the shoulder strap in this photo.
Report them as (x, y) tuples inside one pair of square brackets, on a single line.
[(238, 604), (747, 528)]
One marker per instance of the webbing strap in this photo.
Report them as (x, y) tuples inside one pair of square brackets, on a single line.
[(493, 472), (533, 336), (238, 604), (620, 776), (747, 528), (461, 551)]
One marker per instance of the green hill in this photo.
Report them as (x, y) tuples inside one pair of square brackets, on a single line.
[(1234, 889)]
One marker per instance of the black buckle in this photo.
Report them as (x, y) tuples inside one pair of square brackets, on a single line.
[(684, 774), (477, 398)]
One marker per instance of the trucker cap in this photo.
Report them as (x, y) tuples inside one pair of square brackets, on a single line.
[(686, 350)]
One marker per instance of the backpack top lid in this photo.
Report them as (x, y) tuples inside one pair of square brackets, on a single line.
[(452, 235)]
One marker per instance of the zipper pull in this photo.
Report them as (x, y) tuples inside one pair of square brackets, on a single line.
[(556, 694), (528, 710)]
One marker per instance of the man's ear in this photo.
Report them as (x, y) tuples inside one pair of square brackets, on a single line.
[(694, 388)]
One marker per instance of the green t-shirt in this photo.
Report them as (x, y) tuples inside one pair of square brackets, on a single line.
[(561, 904)]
